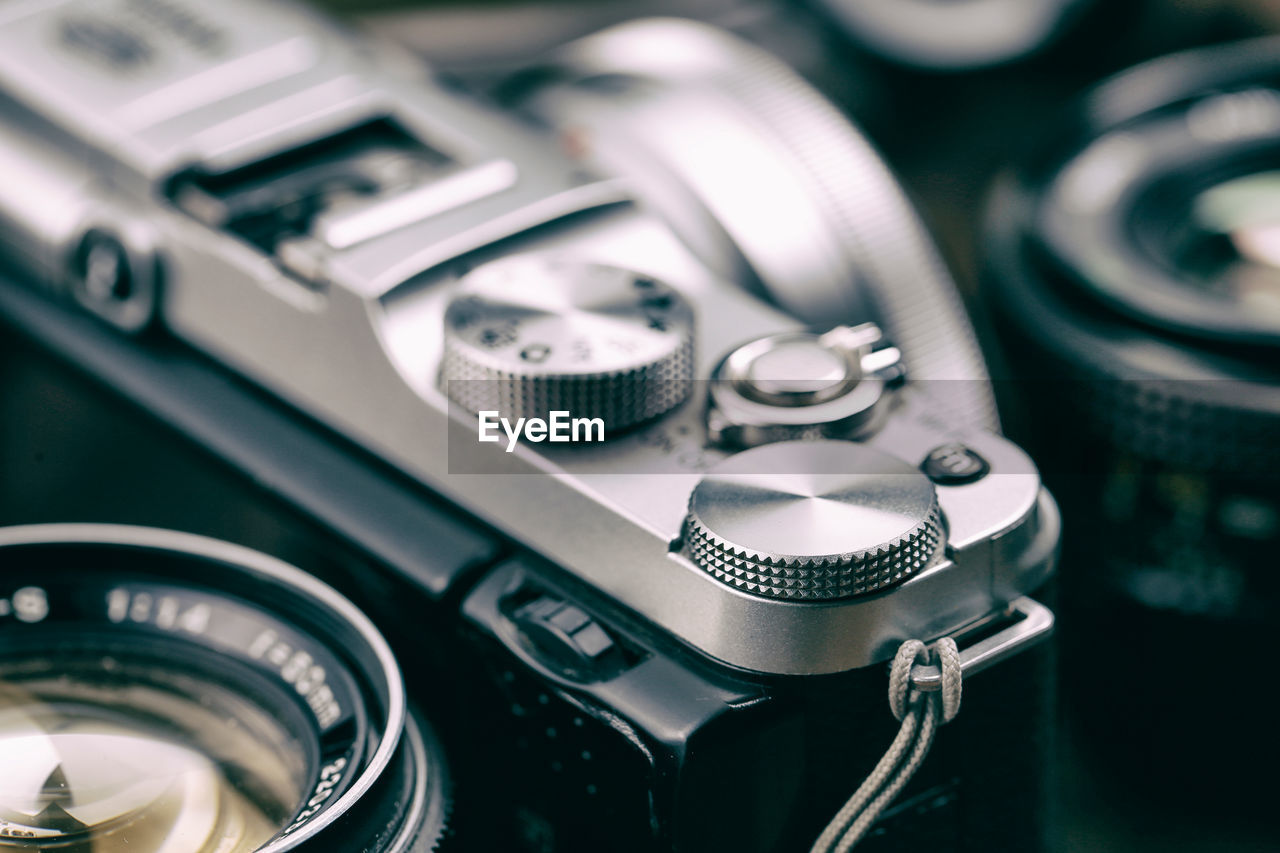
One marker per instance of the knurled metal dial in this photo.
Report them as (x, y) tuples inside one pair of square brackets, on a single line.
[(813, 521), (529, 335)]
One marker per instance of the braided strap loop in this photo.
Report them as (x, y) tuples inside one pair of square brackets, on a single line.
[(921, 714)]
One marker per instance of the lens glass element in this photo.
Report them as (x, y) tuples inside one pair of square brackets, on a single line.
[(165, 693), (1230, 245), (107, 754)]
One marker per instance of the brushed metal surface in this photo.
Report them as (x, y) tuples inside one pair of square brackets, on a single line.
[(809, 520)]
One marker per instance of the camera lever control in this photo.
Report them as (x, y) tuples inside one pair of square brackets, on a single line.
[(802, 385), (528, 335), (813, 520)]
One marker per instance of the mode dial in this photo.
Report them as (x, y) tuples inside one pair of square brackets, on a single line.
[(813, 520), (528, 335)]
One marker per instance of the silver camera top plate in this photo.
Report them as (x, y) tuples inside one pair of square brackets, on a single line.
[(200, 135)]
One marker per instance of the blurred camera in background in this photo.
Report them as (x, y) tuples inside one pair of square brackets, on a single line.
[(1134, 268)]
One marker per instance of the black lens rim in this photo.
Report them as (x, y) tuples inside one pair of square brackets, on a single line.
[(1162, 90), (1035, 285), (1104, 253), (268, 582)]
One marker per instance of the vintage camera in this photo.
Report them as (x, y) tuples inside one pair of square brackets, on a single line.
[(1135, 268), (326, 271)]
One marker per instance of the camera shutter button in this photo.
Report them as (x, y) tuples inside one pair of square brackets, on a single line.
[(813, 521), (796, 373), (801, 385)]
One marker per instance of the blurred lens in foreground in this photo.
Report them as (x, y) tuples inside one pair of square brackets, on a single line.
[(139, 758), (165, 693)]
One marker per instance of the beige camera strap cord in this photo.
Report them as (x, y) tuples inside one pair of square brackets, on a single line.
[(921, 714)]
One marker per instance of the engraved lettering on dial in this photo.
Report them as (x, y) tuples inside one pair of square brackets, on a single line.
[(298, 669), (528, 335), (166, 612), (28, 604)]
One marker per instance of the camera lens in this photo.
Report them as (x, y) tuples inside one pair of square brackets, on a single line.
[(1135, 271), (959, 35), (1170, 217), (166, 693), (1229, 243), (1142, 255)]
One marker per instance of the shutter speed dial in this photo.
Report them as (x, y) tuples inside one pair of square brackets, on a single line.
[(528, 335), (813, 521)]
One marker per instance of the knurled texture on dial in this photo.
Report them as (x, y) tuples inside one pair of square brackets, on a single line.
[(880, 244), (621, 399), (879, 227), (816, 578), (1212, 425), (1185, 423)]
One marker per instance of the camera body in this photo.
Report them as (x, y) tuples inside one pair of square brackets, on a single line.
[(304, 245)]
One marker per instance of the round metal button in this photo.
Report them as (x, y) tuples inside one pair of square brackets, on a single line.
[(796, 372), (813, 520), (954, 465), (800, 385)]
